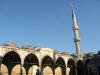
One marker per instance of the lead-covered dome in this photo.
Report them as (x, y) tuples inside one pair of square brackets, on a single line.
[(10, 44), (27, 47), (98, 52), (91, 53), (36, 47), (65, 53)]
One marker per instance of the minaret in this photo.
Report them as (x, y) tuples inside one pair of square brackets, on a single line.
[(76, 34)]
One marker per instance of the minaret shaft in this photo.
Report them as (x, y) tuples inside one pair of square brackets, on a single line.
[(76, 34), (78, 50)]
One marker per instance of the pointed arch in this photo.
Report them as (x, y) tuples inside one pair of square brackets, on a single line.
[(10, 52), (47, 64), (29, 62), (71, 65), (60, 66), (10, 60)]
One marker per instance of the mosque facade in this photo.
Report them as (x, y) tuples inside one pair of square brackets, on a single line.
[(29, 60), (34, 61)]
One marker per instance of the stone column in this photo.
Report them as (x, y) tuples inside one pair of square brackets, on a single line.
[(34, 72), (76, 68), (21, 71), (54, 70), (67, 71), (54, 60), (0, 65), (39, 69)]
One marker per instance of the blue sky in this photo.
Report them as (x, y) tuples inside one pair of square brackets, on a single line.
[(48, 23)]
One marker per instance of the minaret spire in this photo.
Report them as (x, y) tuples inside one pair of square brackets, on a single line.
[(76, 34)]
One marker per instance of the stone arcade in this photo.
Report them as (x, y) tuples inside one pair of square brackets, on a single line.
[(34, 61)]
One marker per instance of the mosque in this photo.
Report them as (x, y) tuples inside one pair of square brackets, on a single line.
[(29, 60)]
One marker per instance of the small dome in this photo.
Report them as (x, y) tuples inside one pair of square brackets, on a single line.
[(36, 47), (99, 52), (65, 53), (74, 55), (56, 51), (91, 53), (27, 47), (10, 44)]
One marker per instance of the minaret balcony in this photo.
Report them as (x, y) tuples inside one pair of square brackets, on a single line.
[(77, 39), (75, 28)]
